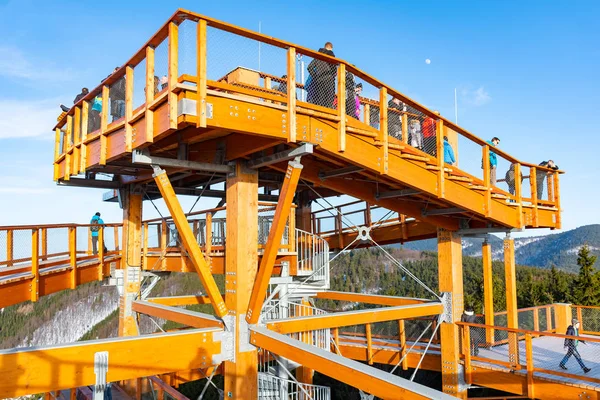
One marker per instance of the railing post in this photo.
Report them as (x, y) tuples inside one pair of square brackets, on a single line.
[(102, 267), (341, 105), (73, 255), (467, 352), (534, 197), (173, 72), (35, 265), (145, 249), (580, 318), (201, 71), (369, 344), (209, 234), (368, 220), (163, 244), (440, 158), (405, 127), (68, 142), (336, 339), (116, 237), (367, 114), (519, 193), (128, 108), (340, 227), (150, 85), (487, 178), (557, 200), (9, 247), (57, 152), (402, 334), (76, 140), (383, 130), (84, 132), (511, 298), (44, 242), (536, 319), (549, 322), (529, 357), (291, 95), (89, 246), (488, 291), (103, 125)]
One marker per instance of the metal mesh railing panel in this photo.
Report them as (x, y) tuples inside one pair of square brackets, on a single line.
[(320, 84), (188, 48), (161, 65), (116, 100), (139, 84)]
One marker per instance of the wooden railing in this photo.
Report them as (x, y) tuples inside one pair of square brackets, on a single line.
[(74, 135)]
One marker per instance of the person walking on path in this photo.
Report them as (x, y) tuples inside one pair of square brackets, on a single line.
[(96, 223), (541, 176), (571, 346)]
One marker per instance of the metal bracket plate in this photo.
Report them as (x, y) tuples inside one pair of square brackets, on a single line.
[(447, 315), (228, 340), (100, 369), (244, 336)]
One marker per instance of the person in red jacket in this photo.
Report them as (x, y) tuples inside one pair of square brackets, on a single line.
[(428, 129)]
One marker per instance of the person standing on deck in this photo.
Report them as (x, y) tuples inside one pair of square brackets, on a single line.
[(321, 88), (429, 134), (571, 346), (493, 160), (448, 152), (96, 222), (540, 176), (395, 109)]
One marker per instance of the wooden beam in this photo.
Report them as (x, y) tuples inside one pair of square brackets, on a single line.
[(189, 241), (510, 276), (383, 130), (280, 219), (349, 318), (370, 298), (179, 315), (35, 265), (180, 300), (364, 377), (150, 85), (39, 370)]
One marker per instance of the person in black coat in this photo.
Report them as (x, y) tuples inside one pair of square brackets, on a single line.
[(571, 346), (321, 90), (395, 110)]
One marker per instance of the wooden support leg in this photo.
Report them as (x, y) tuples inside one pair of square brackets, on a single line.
[(241, 261), (189, 241), (510, 276), (488, 291), (132, 256), (451, 282), (267, 263)]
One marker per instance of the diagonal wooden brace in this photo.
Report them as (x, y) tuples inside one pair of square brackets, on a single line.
[(282, 213), (189, 241)]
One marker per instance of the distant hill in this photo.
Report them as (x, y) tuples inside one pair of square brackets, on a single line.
[(558, 249)]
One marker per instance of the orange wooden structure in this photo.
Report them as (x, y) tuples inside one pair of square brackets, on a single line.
[(213, 120)]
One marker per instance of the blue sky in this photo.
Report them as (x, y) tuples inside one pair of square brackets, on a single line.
[(525, 71)]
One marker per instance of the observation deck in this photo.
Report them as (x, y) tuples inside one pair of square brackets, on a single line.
[(195, 112)]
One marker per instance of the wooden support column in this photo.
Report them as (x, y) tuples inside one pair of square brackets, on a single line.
[(304, 212), (488, 290), (282, 213), (9, 247), (510, 276), (241, 261), (131, 260), (201, 71), (450, 272)]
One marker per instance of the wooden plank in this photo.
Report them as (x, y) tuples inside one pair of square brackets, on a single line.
[(510, 277)]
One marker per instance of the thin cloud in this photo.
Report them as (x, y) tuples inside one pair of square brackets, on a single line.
[(475, 97), (19, 118), (14, 64)]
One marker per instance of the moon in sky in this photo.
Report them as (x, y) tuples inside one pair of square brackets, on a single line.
[(428, 61)]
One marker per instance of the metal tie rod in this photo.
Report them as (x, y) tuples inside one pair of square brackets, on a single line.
[(302, 150), (339, 172), (396, 193), (144, 157), (442, 211)]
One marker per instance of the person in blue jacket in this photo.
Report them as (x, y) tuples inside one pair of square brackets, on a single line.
[(96, 222), (493, 160), (448, 152)]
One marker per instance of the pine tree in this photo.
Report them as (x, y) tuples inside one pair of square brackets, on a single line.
[(586, 292), (558, 286)]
